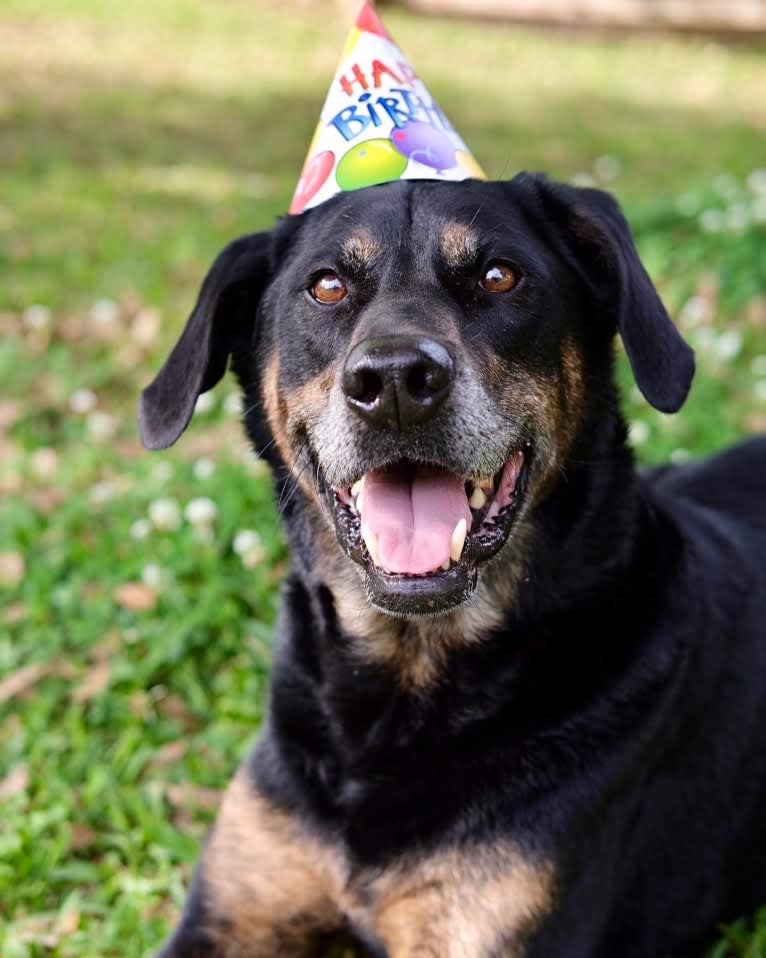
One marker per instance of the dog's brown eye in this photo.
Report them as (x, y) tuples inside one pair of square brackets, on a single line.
[(329, 288), (498, 278)]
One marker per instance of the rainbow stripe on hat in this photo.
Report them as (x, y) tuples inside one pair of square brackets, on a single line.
[(379, 123)]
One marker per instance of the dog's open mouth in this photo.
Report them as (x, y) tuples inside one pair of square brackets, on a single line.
[(420, 531)]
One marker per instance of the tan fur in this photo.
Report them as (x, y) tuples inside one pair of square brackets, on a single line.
[(288, 414), (462, 904), (361, 250), (276, 409), (550, 405), (573, 389), (273, 886), (459, 244)]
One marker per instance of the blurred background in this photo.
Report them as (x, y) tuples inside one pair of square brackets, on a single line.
[(137, 591)]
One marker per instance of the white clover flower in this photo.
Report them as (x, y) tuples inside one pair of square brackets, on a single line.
[(36, 317), (728, 344), (688, 204), (249, 547), (726, 185), (203, 468), (756, 182), (737, 218), (758, 365), (679, 456), (44, 463), (759, 390), (711, 220), (162, 471), (165, 514), (695, 311), (245, 540), (205, 403), (83, 401), (638, 432), (758, 209), (104, 312), (100, 425), (705, 338), (200, 511), (583, 179), (101, 492), (607, 168), (146, 326), (141, 529), (232, 405), (152, 575)]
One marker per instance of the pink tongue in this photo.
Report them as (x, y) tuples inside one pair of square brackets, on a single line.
[(412, 512)]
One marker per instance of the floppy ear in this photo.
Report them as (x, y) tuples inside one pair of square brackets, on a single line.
[(595, 238), (223, 322)]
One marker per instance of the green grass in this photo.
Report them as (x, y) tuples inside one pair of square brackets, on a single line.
[(135, 140)]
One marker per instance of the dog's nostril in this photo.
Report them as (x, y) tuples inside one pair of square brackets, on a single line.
[(369, 386), (425, 380)]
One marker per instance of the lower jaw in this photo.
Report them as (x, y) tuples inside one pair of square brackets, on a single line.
[(420, 596)]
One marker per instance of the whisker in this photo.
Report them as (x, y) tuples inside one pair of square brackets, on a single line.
[(292, 481)]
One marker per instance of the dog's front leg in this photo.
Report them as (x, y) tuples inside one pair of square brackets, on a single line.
[(476, 902), (264, 886)]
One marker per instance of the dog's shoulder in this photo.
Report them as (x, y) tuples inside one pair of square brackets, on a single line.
[(729, 484)]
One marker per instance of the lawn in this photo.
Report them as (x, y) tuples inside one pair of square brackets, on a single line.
[(137, 591)]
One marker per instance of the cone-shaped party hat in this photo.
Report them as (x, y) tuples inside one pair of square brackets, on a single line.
[(379, 123)]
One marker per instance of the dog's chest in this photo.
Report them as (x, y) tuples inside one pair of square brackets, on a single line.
[(475, 900)]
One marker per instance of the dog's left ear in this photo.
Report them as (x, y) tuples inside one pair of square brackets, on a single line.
[(594, 237), (222, 322)]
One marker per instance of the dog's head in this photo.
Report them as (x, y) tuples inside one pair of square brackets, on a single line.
[(425, 356)]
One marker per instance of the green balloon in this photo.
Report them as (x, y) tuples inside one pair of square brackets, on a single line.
[(368, 163)]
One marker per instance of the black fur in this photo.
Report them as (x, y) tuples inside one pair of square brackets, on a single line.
[(615, 724)]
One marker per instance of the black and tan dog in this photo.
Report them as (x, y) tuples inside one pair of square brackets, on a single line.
[(519, 691)]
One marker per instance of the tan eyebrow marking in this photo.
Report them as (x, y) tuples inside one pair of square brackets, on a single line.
[(361, 249), (459, 244)]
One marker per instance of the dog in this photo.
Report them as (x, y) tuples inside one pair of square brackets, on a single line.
[(518, 703)]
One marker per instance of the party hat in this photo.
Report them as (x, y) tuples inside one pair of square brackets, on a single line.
[(379, 123)]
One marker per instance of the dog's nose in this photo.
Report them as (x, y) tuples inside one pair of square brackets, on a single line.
[(397, 382)]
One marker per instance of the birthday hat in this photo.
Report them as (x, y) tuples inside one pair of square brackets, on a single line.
[(379, 123)]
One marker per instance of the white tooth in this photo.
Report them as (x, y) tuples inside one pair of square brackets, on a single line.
[(487, 484), (478, 498), (360, 502), (458, 540), (371, 542), (445, 565), (357, 487)]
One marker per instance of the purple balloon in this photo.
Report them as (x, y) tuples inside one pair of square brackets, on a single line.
[(424, 143)]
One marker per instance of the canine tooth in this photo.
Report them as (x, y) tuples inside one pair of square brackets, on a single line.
[(478, 498), (357, 487), (458, 540), (360, 502), (445, 564), (371, 542)]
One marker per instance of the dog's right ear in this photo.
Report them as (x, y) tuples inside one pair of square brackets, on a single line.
[(223, 322)]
